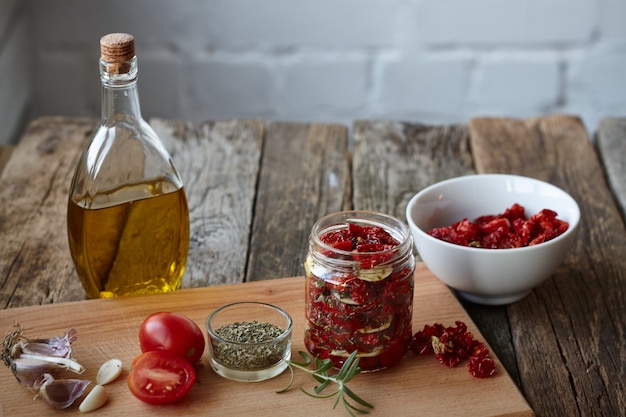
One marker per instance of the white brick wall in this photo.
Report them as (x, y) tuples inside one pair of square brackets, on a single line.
[(431, 61), (15, 76), (497, 23)]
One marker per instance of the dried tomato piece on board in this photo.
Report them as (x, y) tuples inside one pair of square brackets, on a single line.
[(479, 364), (422, 340), (451, 345)]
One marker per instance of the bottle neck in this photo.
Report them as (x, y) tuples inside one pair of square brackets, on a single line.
[(120, 95)]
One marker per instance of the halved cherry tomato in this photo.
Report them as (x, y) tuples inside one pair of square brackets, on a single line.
[(159, 377), (172, 332)]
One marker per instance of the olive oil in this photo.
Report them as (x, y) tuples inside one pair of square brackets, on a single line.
[(136, 247), (127, 214)]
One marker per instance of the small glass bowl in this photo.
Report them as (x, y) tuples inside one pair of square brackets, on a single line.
[(249, 341)]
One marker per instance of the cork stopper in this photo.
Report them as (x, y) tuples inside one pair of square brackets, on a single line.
[(117, 50)]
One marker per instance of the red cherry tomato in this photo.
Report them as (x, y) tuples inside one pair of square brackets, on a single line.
[(172, 332), (159, 377)]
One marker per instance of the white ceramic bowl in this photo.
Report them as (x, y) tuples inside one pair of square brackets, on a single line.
[(489, 276)]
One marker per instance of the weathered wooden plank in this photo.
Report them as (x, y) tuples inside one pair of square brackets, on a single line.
[(611, 145), (35, 266), (219, 164), (585, 297), (5, 154), (304, 176), (392, 161)]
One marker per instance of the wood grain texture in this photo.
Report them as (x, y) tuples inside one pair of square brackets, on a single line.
[(392, 161), (5, 154), (304, 176), (561, 329), (611, 145), (219, 163), (419, 386), (254, 196), (35, 266)]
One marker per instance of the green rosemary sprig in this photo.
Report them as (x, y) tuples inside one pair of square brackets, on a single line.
[(342, 394)]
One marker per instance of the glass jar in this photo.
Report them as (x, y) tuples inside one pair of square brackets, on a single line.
[(359, 289)]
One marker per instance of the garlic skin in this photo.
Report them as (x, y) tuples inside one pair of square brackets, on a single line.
[(27, 370), (58, 347), (60, 393)]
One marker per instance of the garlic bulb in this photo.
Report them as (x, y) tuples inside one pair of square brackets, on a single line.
[(36, 362)]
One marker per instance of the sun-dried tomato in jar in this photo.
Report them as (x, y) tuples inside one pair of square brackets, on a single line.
[(359, 289)]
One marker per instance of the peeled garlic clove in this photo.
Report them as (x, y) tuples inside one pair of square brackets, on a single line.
[(109, 371), (94, 400)]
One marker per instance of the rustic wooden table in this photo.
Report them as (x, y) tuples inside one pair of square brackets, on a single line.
[(256, 188)]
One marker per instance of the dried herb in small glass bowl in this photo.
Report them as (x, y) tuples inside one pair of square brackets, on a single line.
[(249, 341)]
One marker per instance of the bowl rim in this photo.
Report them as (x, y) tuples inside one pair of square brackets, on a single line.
[(286, 333), (573, 225)]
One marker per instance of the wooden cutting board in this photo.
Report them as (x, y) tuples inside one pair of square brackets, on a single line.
[(108, 328)]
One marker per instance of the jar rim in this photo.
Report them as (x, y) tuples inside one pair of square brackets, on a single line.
[(286, 333), (338, 220)]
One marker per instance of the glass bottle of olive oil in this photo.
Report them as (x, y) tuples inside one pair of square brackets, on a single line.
[(128, 220)]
